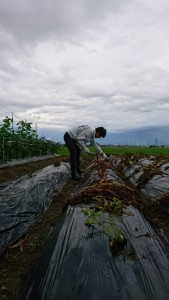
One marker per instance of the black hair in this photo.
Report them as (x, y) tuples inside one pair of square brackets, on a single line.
[(101, 130)]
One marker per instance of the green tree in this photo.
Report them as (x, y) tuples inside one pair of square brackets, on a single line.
[(6, 127), (25, 129)]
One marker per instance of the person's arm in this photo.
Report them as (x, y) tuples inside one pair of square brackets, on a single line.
[(87, 136), (98, 149), (82, 145), (96, 146), (82, 138)]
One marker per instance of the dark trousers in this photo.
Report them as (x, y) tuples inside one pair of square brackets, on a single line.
[(74, 153)]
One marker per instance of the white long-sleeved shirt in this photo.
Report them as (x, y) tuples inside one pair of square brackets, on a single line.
[(84, 134)]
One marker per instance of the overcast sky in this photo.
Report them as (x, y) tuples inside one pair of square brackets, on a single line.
[(71, 62)]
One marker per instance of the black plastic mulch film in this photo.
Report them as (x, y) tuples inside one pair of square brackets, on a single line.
[(24, 201), (76, 263)]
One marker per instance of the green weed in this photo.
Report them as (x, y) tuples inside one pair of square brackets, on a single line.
[(115, 234), (110, 205)]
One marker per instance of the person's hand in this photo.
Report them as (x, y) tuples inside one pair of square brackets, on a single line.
[(91, 153)]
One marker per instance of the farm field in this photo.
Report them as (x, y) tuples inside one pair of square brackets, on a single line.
[(17, 260), (112, 150)]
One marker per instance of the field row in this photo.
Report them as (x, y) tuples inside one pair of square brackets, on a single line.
[(110, 150)]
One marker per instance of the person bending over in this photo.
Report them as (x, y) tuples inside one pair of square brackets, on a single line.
[(75, 140)]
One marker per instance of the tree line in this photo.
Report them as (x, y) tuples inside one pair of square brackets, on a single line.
[(23, 141)]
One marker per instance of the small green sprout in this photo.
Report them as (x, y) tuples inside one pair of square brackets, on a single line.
[(115, 235)]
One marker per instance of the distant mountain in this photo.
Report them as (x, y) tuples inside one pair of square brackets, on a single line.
[(145, 136)]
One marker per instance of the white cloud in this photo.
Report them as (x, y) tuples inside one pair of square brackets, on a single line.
[(65, 63)]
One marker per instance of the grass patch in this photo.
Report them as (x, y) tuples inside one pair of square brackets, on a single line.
[(111, 150)]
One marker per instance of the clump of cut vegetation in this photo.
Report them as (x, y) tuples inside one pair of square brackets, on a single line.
[(106, 189), (149, 172)]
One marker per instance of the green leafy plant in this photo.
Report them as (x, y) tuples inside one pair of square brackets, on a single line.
[(96, 218), (22, 141), (111, 205)]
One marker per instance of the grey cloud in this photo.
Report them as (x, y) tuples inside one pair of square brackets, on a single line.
[(164, 100), (104, 62), (36, 19), (95, 92), (17, 104)]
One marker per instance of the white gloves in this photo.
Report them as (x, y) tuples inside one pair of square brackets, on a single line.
[(91, 153), (87, 151)]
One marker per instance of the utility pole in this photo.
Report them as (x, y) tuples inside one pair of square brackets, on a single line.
[(155, 144), (36, 130), (12, 124), (3, 147)]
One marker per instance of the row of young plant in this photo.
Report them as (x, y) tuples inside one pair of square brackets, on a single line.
[(23, 141)]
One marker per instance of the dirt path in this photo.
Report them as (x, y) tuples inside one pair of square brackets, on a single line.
[(13, 173)]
